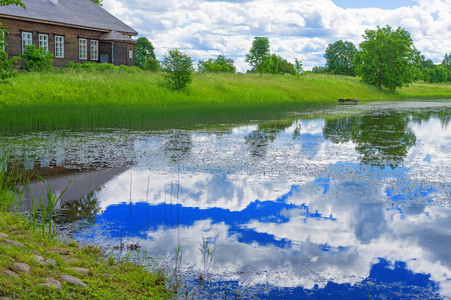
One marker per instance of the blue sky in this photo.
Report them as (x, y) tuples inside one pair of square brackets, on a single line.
[(299, 29), (385, 4)]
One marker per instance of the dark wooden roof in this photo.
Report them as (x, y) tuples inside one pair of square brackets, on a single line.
[(80, 13), (116, 36)]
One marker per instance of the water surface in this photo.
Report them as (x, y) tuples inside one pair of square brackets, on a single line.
[(317, 205)]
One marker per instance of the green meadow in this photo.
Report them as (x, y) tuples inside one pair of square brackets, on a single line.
[(86, 100)]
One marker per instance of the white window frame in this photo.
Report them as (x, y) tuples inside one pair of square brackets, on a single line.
[(83, 49), (27, 39), (130, 54), (44, 41), (59, 46), (94, 50)]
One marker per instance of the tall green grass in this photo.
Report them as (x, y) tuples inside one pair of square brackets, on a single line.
[(80, 99)]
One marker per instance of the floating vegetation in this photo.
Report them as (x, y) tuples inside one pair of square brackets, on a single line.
[(322, 204)]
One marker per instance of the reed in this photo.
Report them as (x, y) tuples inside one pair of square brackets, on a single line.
[(80, 99), (52, 200), (10, 195), (207, 258)]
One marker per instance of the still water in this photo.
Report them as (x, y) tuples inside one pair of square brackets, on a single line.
[(343, 203)]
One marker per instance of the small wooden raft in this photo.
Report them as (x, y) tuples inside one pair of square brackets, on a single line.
[(348, 101)]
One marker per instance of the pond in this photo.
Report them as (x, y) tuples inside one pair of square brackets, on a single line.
[(345, 202)]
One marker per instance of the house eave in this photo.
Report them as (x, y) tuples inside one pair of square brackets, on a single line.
[(63, 24)]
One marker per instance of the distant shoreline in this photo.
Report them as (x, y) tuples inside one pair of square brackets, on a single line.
[(79, 99)]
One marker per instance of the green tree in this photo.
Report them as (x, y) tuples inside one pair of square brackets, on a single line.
[(276, 64), (339, 58), (258, 54), (151, 65), (440, 74), (98, 2), (220, 64), (143, 50), (446, 62), (178, 68), (285, 67), (36, 59), (298, 67), (272, 64), (386, 58), (426, 74), (319, 70)]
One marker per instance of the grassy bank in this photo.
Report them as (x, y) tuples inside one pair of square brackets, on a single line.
[(78, 99), (37, 265), (49, 258)]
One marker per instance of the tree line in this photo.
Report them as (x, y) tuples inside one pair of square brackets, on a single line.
[(386, 58)]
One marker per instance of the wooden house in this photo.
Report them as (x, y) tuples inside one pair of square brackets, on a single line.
[(72, 30)]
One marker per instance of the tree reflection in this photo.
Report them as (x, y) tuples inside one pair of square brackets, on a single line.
[(85, 209), (382, 139), (259, 139), (178, 146)]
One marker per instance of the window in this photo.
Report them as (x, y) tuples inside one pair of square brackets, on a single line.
[(94, 50), (44, 41), (130, 54), (83, 49), (3, 41), (59, 46), (26, 40)]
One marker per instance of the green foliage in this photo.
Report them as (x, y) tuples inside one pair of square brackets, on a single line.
[(11, 2), (386, 58), (276, 64), (285, 67), (8, 199), (6, 67), (36, 59), (152, 65), (220, 64), (52, 200), (298, 67), (339, 58), (143, 51), (446, 62), (258, 54), (127, 281), (87, 100), (93, 67), (319, 70), (178, 68), (98, 2)]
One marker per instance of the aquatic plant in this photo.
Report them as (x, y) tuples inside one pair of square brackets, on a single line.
[(176, 278), (10, 195), (52, 200), (207, 258), (35, 205), (67, 99)]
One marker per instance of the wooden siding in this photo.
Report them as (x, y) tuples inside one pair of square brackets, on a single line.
[(71, 41)]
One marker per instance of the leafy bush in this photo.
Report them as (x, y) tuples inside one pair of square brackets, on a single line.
[(36, 59), (220, 64), (151, 64), (6, 67), (92, 66), (178, 67)]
